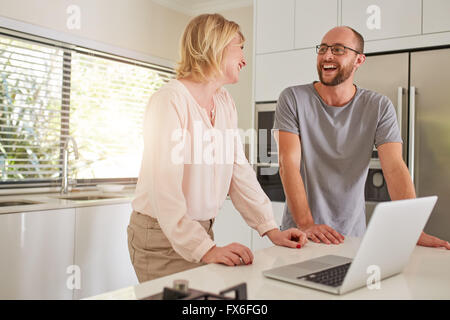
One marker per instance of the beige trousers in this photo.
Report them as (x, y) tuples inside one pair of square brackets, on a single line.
[(151, 253)]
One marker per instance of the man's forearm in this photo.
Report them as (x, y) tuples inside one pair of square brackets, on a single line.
[(296, 195), (399, 183)]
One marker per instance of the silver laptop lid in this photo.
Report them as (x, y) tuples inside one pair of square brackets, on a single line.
[(389, 240)]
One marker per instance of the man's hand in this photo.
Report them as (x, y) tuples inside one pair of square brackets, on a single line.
[(323, 233), (292, 238), (233, 254), (400, 185), (426, 240)]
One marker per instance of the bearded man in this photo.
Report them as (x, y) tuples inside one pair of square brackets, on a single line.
[(325, 132)]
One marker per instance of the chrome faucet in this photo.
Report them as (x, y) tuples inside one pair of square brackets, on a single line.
[(65, 178)]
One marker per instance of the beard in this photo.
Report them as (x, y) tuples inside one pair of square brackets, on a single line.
[(343, 74)]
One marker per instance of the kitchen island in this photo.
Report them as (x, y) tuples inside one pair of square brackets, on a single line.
[(425, 277)]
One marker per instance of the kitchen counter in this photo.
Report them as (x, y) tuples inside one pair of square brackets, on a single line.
[(425, 277), (51, 201)]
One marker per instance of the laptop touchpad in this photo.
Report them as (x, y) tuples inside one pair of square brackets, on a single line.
[(313, 265)]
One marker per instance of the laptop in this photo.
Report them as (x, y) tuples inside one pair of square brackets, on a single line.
[(390, 238)]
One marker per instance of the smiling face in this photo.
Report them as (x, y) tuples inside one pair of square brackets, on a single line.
[(336, 69), (233, 60)]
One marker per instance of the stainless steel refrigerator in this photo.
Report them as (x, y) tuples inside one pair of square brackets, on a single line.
[(418, 84)]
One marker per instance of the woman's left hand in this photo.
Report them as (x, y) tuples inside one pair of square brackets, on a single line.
[(292, 238)]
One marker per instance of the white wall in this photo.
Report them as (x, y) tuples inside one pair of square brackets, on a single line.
[(137, 25)]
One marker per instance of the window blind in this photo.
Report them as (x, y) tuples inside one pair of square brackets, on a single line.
[(48, 92)]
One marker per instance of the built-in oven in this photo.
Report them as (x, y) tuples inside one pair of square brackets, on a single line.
[(267, 169), (376, 190)]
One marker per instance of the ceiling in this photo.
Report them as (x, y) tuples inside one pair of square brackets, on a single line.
[(195, 7)]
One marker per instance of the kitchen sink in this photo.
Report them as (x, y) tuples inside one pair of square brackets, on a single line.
[(17, 203), (88, 198)]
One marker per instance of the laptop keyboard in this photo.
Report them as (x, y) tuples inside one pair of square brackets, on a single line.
[(331, 277)]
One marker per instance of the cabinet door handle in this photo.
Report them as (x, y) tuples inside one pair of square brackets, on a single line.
[(412, 121), (399, 107)]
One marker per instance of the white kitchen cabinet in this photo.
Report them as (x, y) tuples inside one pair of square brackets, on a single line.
[(382, 19), (36, 250), (274, 25), (312, 20), (277, 71), (259, 242), (229, 227), (101, 249), (436, 16)]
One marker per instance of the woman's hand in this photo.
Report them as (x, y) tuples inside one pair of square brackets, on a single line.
[(231, 255), (292, 238)]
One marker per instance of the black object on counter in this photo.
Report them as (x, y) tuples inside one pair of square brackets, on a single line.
[(240, 293)]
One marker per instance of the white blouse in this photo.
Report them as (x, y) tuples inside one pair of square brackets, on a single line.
[(189, 167)]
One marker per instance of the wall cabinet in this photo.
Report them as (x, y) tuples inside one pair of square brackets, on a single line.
[(277, 71), (285, 30), (382, 19), (274, 25), (312, 20), (436, 16), (101, 249), (36, 251)]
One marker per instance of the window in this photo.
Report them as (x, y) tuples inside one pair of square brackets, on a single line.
[(51, 91)]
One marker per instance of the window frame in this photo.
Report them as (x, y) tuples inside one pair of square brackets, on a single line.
[(52, 184)]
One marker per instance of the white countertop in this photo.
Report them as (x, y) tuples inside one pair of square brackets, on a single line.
[(52, 201), (426, 276)]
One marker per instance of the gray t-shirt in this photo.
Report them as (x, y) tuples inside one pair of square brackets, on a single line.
[(337, 144)]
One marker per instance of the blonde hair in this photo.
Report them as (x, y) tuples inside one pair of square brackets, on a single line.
[(202, 46)]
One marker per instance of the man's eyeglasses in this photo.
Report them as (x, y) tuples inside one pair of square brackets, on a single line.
[(336, 49)]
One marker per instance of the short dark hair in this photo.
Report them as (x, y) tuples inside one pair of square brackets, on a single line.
[(359, 40)]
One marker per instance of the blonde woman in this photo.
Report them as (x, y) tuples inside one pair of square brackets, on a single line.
[(180, 190)]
